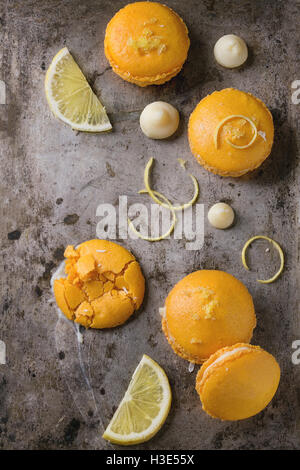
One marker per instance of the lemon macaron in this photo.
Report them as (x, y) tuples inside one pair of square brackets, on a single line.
[(146, 43), (205, 311), (237, 382), (231, 132)]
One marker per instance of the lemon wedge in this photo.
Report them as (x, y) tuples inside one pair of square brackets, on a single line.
[(144, 408), (71, 98)]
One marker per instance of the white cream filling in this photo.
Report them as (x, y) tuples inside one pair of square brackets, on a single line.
[(220, 215), (230, 51), (224, 356), (162, 311), (159, 120)]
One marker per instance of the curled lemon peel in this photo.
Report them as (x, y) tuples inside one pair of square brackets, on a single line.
[(181, 162), (165, 235), (278, 248), (153, 194), (221, 123), (160, 199)]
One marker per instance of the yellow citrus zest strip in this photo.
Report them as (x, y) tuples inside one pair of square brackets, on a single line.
[(169, 206), (153, 196), (216, 133), (181, 162), (278, 248)]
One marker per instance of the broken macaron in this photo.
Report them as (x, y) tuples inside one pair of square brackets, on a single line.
[(103, 284)]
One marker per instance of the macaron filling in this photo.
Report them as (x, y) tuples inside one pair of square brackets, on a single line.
[(224, 356)]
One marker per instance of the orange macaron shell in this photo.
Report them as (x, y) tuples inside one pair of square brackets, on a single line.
[(206, 311), (237, 382), (224, 159), (103, 285), (146, 43)]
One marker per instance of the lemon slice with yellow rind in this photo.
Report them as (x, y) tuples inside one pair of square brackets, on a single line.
[(144, 408), (71, 98)]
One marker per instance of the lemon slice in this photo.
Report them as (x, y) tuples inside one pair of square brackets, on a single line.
[(71, 98), (144, 408)]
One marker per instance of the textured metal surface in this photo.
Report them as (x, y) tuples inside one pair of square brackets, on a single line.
[(53, 394)]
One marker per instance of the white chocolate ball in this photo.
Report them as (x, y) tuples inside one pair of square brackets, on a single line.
[(159, 120), (230, 51), (220, 215)]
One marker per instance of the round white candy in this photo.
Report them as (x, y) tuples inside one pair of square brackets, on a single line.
[(159, 120), (220, 215), (230, 51)]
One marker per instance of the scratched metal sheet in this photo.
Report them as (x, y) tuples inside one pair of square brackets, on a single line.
[(56, 392)]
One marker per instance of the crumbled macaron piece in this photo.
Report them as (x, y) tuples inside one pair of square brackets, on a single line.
[(84, 314), (159, 120), (112, 310), (221, 215), (93, 289), (73, 295), (86, 267), (70, 252), (230, 51), (103, 286), (59, 285)]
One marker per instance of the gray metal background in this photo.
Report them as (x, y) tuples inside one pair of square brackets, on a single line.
[(52, 181)]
